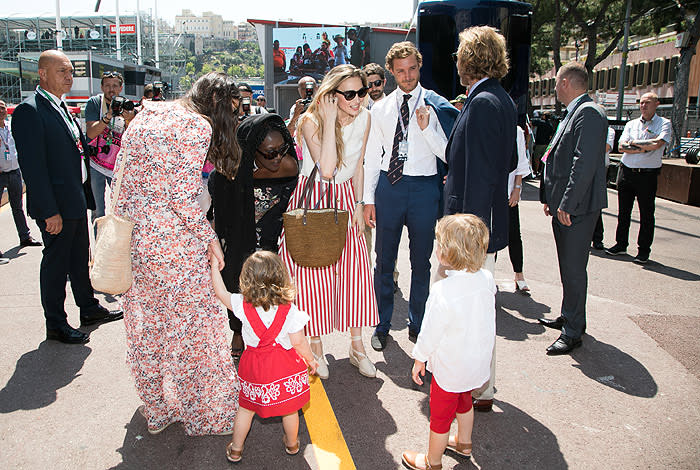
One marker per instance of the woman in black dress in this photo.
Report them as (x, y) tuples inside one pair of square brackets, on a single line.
[(248, 209)]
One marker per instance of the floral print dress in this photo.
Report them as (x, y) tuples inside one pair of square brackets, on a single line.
[(177, 344)]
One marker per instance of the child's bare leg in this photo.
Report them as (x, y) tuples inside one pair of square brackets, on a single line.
[(436, 447), (465, 424), (290, 423), (241, 427)]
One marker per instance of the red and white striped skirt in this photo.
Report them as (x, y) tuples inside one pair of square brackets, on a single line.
[(339, 296)]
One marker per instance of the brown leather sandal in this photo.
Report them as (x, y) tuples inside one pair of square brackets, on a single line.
[(465, 450), (233, 455), (291, 450), (409, 457)]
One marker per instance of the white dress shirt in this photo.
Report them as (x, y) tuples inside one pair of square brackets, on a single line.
[(523, 167), (296, 321), (459, 330), (652, 129), (424, 146), (611, 142)]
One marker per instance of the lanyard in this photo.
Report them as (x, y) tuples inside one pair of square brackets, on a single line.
[(404, 130), (64, 114), (5, 136)]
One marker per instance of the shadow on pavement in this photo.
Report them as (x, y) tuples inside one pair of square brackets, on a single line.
[(670, 271), (40, 373), (511, 439), (13, 253), (511, 326), (610, 366), (173, 449), (365, 422)]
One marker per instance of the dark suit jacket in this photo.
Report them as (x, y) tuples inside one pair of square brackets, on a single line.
[(479, 156), (50, 162), (574, 176)]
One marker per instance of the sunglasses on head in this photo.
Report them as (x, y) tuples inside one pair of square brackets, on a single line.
[(282, 151), (376, 83), (349, 95), (111, 75)]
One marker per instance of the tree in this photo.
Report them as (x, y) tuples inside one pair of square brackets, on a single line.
[(680, 86)]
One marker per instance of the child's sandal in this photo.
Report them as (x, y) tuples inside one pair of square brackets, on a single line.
[(233, 455), (465, 450), (291, 450)]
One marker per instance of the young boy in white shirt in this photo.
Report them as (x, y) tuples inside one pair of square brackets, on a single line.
[(456, 337)]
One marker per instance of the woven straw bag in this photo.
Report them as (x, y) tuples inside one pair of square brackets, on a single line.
[(110, 270), (315, 238)]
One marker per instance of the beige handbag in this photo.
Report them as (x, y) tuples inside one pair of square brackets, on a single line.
[(110, 270), (315, 238)]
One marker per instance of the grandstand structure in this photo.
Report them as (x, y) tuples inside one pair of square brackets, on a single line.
[(92, 37)]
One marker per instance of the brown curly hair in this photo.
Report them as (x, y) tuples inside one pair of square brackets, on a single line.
[(482, 53), (265, 282)]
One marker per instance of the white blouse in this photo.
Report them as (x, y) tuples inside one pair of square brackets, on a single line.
[(459, 330), (296, 321)]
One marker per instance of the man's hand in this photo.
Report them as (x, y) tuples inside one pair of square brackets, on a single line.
[(128, 116), (422, 117), (546, 210), (564, 217), (54, 224), (370, 215)]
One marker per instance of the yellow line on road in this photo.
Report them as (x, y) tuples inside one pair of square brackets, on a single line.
[(327, 439)]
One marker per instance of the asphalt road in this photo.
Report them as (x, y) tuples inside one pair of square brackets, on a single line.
[(629, 398)]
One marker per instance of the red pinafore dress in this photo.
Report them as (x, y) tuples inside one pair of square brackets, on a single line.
[(274, 380)]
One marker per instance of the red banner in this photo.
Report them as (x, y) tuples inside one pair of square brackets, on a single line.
[(123, 29)]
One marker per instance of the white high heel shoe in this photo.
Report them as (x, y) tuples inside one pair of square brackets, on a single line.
[(361, 361), (322, 369)]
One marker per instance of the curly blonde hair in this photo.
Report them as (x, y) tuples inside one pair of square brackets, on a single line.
[(463, 240), (265, 282), (482, 53), (330, 83), (401, 50)]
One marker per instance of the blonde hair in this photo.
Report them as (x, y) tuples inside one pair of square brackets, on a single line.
[(463, 240), (330, 83), (265, 281), (401, 50), (482, 50)]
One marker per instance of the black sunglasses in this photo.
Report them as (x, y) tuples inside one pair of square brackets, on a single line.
[(375, 83), (349, 95), (454, 56), (282, 151)]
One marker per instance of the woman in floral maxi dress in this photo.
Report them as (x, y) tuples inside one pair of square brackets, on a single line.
[(176, 330)]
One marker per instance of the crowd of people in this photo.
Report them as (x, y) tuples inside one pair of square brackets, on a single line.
[(452, 177)]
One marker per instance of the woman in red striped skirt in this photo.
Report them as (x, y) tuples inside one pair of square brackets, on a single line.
[(334, 133)]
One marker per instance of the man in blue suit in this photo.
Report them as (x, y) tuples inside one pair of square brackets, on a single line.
[(50, 146), (481, 148)]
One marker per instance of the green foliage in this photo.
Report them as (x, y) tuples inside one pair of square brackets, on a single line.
[(240, 59)]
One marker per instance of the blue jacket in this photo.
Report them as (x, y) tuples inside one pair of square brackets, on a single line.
[(50, 162)]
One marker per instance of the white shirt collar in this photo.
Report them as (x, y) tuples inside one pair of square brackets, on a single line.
[(473, 87), (414, 94), (572, 105), (56, 99), (641, 119)]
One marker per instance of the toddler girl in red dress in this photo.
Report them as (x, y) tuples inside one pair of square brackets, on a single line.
[(273, 367)]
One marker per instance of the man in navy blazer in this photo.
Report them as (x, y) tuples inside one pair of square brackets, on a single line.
[(573, 192), (50, 147), (480, 150)]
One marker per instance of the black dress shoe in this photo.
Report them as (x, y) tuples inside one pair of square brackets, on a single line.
[(29, 241), (598, 246), (102, 315), (482, 406), (412, 336), (67, 334), (563, 345), (556, 324), (378, 341)]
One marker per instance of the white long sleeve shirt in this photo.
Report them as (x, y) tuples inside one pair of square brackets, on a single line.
[(459, 330), (424, 146), (523, 167)]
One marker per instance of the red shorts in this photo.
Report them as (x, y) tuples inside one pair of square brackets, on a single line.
[(445, 405)]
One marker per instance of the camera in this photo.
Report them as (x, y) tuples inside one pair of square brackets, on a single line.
[(309, 89), (245, 107), (120, 104)]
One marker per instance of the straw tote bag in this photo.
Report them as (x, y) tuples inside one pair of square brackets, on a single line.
[(111, 264), (315, 238)]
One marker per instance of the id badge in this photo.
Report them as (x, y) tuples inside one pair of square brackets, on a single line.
[(403, 150), (7, 154)]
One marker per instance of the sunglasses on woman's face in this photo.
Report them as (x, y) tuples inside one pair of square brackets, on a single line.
[(282, 151), (349, 95), (375, 84)]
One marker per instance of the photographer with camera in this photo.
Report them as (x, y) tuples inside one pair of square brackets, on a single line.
[(107, 116), (307, 90), (247, 106)]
